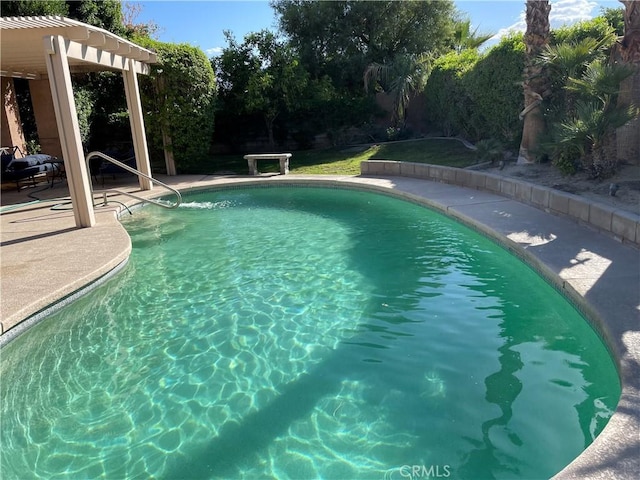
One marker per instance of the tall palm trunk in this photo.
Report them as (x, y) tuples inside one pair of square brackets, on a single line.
[(628, 51), (536, 83)]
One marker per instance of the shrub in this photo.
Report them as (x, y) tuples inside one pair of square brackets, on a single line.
[(447, 102), (479, 96), (495, 90), (179, 95), (489, 150), (598, 27)]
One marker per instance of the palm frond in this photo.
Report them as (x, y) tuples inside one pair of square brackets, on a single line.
[(599, 80), (402, 78), (568, 59)]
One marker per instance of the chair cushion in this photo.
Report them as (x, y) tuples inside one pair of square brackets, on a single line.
[(18, 164)]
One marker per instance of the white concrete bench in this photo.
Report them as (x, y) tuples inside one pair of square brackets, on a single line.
[(283, 158)]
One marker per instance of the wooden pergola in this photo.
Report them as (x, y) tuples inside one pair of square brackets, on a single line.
[(52, 48)]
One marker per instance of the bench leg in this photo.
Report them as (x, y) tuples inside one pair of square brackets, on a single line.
[(284, 166), (253, 169)]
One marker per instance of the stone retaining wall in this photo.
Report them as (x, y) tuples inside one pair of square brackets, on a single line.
[(621, 224)]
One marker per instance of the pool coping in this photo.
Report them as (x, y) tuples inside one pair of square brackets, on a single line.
[(544, 240)]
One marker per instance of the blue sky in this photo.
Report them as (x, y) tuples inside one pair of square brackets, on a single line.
[(201, 23)]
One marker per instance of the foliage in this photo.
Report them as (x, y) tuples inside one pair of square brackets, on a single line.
[(263, 77), (401, 78), (340, 38), (84, 99), (600, 81), (33, 147), (489, 150), (25, 109), (566, 159), (582, 110), (179, 98), (589, 130), (598, 28), (493, 86), (105, 14), (465, 39), (447, 103), (26, 8), (133, 28), (583, 130), (615, 18), (478, 96), (569, 60), (105, 91)]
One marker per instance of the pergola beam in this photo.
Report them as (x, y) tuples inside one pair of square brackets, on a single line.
[(104, 57)]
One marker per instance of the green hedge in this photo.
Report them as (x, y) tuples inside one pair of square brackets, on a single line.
[(494, 86), (478, 96), (180, 93), (447, 102)]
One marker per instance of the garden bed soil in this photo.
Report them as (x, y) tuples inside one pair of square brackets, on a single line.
[(627, 178)]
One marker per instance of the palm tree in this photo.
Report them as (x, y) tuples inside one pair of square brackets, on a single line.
[(628, 52), (569, 60), (584, 132), (402, 79), (536, 84), (465, 39)]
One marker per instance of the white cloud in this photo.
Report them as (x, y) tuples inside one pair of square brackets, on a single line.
[(213, 52), (568, 12), (563, 12)]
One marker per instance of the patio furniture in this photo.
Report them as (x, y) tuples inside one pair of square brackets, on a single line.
[(283, 158), (28, 168)]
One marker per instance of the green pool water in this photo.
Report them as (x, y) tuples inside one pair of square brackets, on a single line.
[(306, 333)]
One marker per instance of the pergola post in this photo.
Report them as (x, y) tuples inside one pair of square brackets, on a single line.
[(67, 120), (136, 119)]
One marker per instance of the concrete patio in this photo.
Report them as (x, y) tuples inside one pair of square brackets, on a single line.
[(45, 258)]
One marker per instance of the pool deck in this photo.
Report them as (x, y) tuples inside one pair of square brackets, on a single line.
[(45, 258)]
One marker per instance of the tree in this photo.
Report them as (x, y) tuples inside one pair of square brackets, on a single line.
[(536, 83), (27, 8), (584, 110), (402, 79), (598, 113), (615, 18), (262, 76), (569, 60), (340, 38), (464, 38), (628, 53), (105, 14)]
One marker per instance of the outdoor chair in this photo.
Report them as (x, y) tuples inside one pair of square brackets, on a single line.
[(26, 169)]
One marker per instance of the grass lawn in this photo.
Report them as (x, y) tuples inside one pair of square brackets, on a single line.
[(346, 160)]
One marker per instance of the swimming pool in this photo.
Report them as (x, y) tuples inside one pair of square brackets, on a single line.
[(304, 333)]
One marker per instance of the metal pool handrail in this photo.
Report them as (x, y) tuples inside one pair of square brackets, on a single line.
[(135, 172)]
